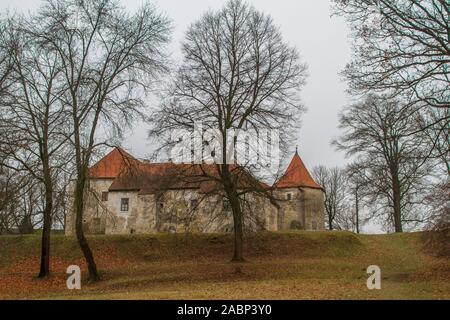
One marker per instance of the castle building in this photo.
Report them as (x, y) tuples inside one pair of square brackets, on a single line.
[(126, 195)]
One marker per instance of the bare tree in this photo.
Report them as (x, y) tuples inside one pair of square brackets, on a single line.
[(333, 180), (32, 116), (237, 74), (402, 50), (109, 59), (401, 47), (357, 184), (379, 131), (437, 144)]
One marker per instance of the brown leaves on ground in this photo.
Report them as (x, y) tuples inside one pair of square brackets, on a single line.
[(299, 265), (18, 279)]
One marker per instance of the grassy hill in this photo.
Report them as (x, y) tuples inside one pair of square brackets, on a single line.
[(295, 265)]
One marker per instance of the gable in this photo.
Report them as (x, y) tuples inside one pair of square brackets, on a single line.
[(111, 165)]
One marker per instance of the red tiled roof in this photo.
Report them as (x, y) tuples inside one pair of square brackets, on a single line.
[(111, 165), (297, 175), (150, 178)]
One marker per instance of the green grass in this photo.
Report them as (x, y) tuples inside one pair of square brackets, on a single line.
[(291, 265)]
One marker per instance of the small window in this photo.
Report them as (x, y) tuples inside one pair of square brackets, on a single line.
[(289, 196), (124, 204), (194, 203), (161, 205), (105, 196), (226, 205)]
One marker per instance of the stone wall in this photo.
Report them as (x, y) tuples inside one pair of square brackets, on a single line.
[(96, 210), (189, 211), (181, 211), (304, 210)]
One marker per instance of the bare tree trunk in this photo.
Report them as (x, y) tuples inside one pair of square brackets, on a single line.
[(48, 210), (82, 241), (396, 197), (238, 254), (396, 200), (357, 211), (233, 197), (330, 219), (46, 230)]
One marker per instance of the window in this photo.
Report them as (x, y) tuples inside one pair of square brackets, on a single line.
[(226, 205), (105, 196), (289, 196), (124, 204)]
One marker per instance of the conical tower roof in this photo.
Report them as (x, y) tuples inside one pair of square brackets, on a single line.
[(297, 175)]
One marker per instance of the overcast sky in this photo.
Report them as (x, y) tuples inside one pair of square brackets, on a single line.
[(306, 24)]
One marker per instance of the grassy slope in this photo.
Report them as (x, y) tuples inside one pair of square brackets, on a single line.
[(297, 265)]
